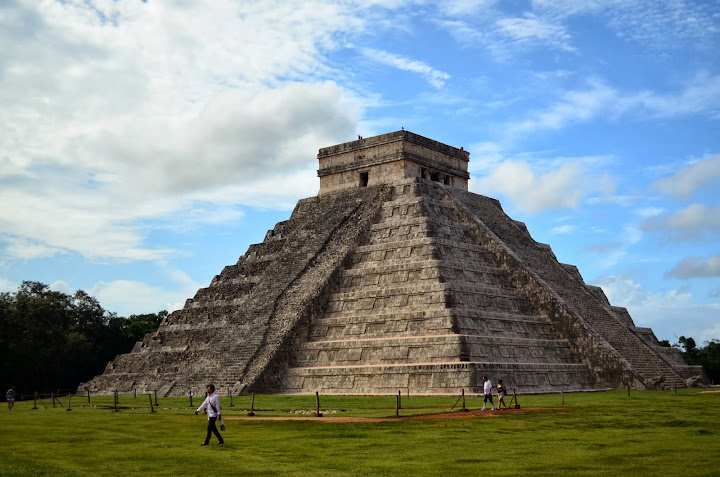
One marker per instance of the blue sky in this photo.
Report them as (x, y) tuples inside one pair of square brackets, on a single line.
[(144, 146)]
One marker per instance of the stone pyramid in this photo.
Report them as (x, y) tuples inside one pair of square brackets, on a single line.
[(395, 277)]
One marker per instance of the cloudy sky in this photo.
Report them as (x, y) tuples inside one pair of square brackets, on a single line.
[(145, 145)]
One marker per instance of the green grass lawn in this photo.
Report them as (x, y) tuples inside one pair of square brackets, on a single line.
[(648, 433)]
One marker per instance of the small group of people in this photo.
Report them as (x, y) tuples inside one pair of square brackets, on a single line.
[(488, 394)]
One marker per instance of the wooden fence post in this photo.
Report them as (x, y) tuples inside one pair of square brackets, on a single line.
[(151, 404), (317, 404), (252, 405), (463, 398), (562, 397), (191, 399), (155, 392), (69, 397), (88, 393), (230, 396), (115, 399)]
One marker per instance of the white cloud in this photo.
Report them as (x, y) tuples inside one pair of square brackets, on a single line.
[(20, 247), (696, 221), (533, 30), (484, 156), (126, 297), (696, 267), (575, 106), (7, 286), (701, 96), (665, 25), (465, 7), (564, 229), (688, 179), (119, 112), (562, 188), (611, 253), (433, 76), (62, 287), (670, 314), (632, 234)]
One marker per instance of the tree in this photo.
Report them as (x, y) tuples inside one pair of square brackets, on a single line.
[(708, 357), (52, 340)]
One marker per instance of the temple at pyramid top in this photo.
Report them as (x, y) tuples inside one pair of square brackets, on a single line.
[(390, 158)]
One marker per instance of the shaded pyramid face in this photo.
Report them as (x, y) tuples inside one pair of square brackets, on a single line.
[(411, 285)]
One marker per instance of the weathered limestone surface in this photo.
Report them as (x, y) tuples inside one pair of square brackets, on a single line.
[(396, 280)]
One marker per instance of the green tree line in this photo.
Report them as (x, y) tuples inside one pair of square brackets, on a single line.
[(708, 356), (50, 340)]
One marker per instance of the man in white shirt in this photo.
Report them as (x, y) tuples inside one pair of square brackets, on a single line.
[(487, 391), (212, 404)]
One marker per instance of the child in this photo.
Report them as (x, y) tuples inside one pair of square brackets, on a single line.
[(501, 390)]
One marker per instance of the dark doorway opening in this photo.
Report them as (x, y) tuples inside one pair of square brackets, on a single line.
[(364, 179)]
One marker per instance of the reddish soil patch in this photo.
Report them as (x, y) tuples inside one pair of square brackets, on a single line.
[(448, 415)]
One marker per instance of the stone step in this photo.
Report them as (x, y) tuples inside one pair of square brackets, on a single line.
[(449, 377), (404, 349)]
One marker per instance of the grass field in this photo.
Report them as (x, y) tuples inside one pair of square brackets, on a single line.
[(650, 432)]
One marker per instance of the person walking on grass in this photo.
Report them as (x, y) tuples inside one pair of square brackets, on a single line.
[(212, 404), (502, 391), (10, 396), (487, 391)]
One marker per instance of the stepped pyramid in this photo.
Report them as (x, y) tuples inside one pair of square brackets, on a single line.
[(395, 277)]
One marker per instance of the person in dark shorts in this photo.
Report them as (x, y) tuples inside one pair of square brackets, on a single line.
[(487, 392)]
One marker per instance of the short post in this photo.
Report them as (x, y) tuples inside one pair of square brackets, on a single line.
[(191, 398), (115, 399), (399, 400), (151, 404), (155, 392), (35, 400), (52, 395), (252, 405), (463, 399), (317, 404), (69, 397), (562, 397), (88, 392), (134, 393), (230, 396), (628, 388), (397, 406), (517, 406)]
